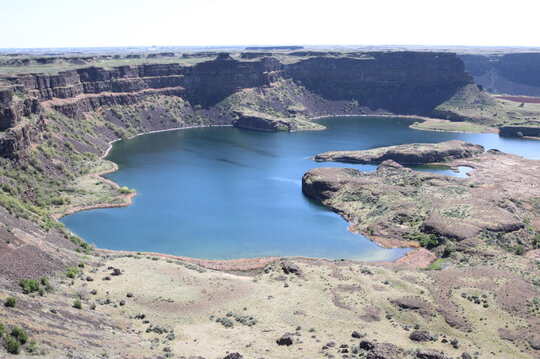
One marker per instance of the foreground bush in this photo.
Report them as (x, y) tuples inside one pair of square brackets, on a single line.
[(29, 285), (72, 272), (10, 302), (12, 345), (19, 334)]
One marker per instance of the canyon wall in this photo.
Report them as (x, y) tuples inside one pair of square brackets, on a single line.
[(400, 82), (394, 82), (515, 74)]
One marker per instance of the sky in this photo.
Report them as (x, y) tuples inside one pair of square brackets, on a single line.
[(107, 23)]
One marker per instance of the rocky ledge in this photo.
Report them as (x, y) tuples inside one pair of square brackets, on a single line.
[(409, 154), (258, 121), (498, 202), (520, 131)]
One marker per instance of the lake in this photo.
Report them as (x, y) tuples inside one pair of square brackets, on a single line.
[(223, 193)]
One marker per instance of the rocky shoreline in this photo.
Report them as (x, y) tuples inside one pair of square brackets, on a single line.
[(398, 203), (410, 154)]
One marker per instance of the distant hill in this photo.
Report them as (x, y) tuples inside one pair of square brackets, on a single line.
[(286, 48)]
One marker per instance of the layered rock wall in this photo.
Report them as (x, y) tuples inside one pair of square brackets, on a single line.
[(401, 82), (398, 82), (514, 74)]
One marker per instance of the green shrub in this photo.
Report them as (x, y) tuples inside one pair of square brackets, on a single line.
[(12, 345), (125, 190), (536, 241), (1, 329), (519, 250), (426, 240), (87, 248), (19, 334), (11, 302), (32, 348), (29, 285), (436, 265), (77, 304), (72, 272)]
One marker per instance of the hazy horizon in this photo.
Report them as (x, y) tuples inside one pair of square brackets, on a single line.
[(236, 23)]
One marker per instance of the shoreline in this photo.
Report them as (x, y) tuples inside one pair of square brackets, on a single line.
[(128, 198), (111, 143), (416, 258), (492, 130), (240, 264)]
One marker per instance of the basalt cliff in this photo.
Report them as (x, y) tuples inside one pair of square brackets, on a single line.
[(394, 82), (514, 74)]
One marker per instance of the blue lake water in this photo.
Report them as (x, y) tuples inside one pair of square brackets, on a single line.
[(225, 193)]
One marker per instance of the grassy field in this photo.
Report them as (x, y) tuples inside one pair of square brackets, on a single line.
[(451, 126)]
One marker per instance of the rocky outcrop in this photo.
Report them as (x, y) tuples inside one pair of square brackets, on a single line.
[(17, 139), (257, 121), (398, 203), (254, 55), (519, 131), (421, 336), (409, 154), (13, 109), (261, 122)]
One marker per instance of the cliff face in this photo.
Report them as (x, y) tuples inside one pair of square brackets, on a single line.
[(398, 82), (12, 109), (401, 82), (515, 74), (390, 81)]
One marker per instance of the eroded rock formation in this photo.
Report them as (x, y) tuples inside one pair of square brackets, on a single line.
[(496, 202), (409, 154)]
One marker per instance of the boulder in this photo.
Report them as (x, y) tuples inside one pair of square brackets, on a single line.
[(534, 341), (430, 354), (385, 351), (233, 356), (290, 268), (285, 339), (421, 336)]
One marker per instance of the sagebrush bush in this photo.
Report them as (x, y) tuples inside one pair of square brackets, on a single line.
[(11, 302), (72, 272), (19, 334), (12, 345), (29, 285)]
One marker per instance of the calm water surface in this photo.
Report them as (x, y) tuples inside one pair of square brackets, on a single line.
[(225, 193)]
